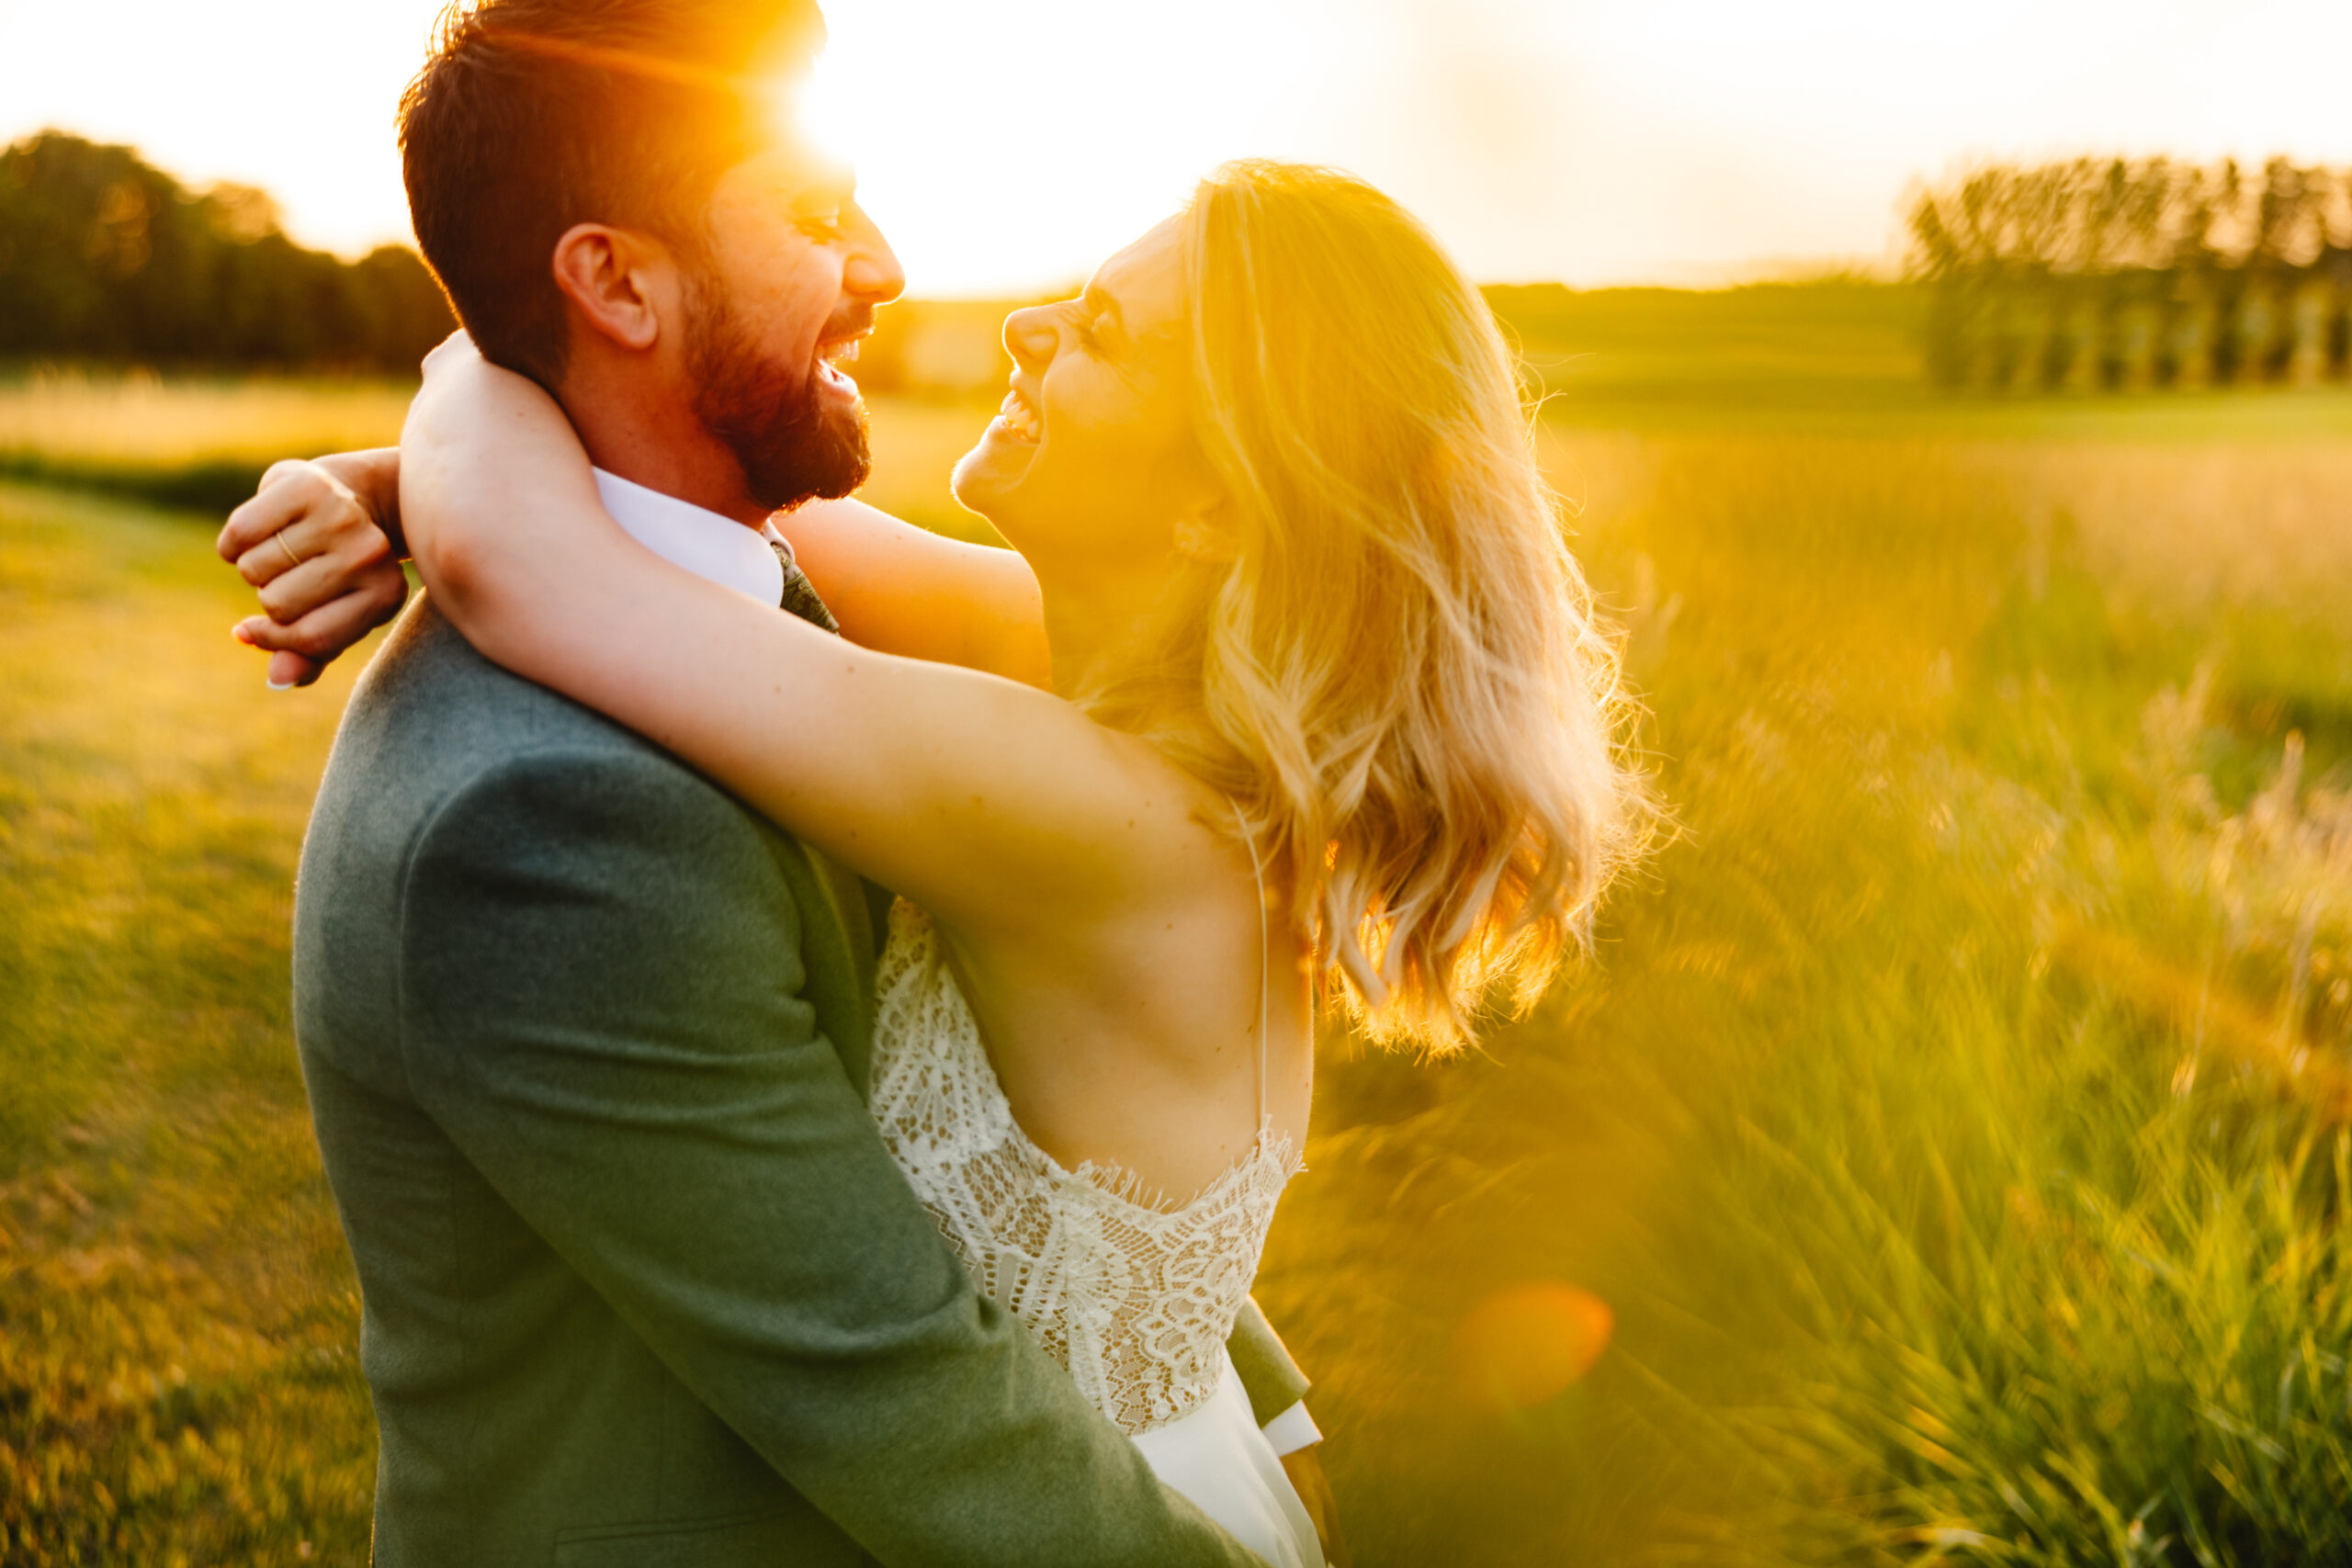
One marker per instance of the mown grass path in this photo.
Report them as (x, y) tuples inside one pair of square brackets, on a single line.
[(179, 1325)]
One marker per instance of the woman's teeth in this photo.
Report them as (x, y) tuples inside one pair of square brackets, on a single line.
[(1020, 420)]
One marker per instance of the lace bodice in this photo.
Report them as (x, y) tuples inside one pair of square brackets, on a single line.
[(1135, 1298)]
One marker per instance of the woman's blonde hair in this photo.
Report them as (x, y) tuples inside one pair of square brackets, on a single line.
[(1392, 662)]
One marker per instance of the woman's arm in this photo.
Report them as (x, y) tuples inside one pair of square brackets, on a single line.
[(892, 586), (990, 803), (904, 590)]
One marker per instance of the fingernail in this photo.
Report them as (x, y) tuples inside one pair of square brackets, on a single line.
[(239, 632), (279, 686)]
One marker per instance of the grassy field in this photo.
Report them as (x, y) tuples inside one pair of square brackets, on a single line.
[(192, 442), (201, 443), (1953, 1119), (178, 1372), (1954, 1123)]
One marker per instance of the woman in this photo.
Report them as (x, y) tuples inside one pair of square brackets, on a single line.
[(1330, 720)]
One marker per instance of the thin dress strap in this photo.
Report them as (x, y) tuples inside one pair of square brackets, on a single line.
[(1265, 955)]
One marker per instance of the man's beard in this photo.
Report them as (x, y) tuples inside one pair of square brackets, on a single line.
[(771, 416)]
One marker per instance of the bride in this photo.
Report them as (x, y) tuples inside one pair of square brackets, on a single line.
[(1330, 723)]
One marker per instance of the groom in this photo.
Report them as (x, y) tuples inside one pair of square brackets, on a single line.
[(585, 1040)]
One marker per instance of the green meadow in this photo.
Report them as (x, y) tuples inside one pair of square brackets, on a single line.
[(1951, 1118)]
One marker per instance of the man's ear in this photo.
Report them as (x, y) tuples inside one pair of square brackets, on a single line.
[(620, 281)]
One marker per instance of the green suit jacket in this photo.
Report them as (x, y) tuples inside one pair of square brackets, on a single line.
[(586, 1047)]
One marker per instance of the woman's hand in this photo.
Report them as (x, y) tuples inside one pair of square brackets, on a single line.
[(320, 541)]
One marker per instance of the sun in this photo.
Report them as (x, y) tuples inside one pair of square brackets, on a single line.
[(814, 108)]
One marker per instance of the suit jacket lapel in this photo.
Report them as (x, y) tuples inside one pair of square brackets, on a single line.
[(844, 891), (846, 900)]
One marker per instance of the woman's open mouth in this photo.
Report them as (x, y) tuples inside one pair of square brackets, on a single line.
[(1018, 420)]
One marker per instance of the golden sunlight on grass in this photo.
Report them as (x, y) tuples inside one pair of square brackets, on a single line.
[(178, 1319), (140, 418), (1528, 1344), (1947, 1145)]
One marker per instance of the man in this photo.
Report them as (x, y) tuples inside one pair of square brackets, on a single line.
[(585, 1040)]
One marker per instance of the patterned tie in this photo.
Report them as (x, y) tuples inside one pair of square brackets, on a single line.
[(842, 887), (800, 595)]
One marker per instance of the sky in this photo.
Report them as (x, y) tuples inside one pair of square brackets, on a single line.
[(1007, 147)]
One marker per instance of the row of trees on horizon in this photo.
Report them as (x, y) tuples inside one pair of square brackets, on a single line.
[(2126, 274), (2087, 274), (105, 257)]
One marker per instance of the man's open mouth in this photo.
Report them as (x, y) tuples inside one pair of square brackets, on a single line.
[(833, 356)]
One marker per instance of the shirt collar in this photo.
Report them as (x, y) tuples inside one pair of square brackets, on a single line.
[(704, 543)]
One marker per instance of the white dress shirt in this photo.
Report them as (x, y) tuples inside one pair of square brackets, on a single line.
[(718, 549), (1292, 1429), (726, 552)]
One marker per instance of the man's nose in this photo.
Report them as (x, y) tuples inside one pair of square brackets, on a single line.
[(1030, 336), (872, 272)]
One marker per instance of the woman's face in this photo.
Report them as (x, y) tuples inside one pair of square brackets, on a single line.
[(1093, 458)]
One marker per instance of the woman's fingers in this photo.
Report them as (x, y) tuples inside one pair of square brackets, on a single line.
[(326, 549), (323, 631), (270, 509), (324, 572), (302, 513), (287, 670), (292, 592)]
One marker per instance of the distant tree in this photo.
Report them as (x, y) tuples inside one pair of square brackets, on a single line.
[(2150, 272), (103, 257)]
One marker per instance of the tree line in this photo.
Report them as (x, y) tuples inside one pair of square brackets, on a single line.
[(2122, 274), (105, 257)]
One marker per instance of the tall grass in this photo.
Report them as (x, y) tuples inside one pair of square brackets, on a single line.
[(1953, 1117), (1955, 1125)]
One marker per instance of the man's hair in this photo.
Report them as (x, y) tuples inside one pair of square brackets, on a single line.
[(534, 115)]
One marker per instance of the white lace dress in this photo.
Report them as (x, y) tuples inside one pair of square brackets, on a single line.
[(1135, 1298)]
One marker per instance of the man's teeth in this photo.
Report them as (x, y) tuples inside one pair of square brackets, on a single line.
[(841, 353)]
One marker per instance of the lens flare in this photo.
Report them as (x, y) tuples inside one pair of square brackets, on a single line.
[(1530, 1343), (809, 109)]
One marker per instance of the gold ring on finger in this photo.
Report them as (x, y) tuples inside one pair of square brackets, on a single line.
[(287, 548)]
